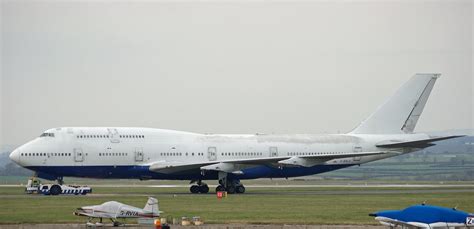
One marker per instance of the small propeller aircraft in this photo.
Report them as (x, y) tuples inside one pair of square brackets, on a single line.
[(425, 216), (114, 210)]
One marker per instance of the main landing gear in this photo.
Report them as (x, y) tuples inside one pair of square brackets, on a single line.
[(232, 187), (199, 187)]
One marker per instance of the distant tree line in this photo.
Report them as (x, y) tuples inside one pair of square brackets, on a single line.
[(12, 169)]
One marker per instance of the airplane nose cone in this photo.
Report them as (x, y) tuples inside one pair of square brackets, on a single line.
[(15, 156)]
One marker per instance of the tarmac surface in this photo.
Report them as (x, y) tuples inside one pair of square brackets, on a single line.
[(285, 186), (417, 189), (209, 226)]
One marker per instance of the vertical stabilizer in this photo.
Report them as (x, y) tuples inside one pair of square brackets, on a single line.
[(152, 206), (400, 113)]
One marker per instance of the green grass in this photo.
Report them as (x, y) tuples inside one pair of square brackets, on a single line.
[(260, 205)]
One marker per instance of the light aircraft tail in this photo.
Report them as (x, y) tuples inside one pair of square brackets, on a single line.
[(400, 113), (152, 206)]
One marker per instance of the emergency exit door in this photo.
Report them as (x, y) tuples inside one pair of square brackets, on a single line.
[(78, 155), (357, 149), (212, 153), (138, 154), (273, 151)]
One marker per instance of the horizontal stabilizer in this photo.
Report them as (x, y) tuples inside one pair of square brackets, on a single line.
[(414, 144)]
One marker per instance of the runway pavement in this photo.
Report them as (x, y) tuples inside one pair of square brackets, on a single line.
[(286, 186), (285, 193), (209, 226)]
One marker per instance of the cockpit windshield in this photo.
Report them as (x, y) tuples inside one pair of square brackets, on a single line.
[(47, 135)]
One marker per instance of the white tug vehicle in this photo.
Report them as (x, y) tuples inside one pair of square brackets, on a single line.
[(34, 186)]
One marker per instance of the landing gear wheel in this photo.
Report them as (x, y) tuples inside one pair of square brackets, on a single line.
[(220, 188), (55, 190), (240, 189), (203, 189), (231, 189), (194, 189)]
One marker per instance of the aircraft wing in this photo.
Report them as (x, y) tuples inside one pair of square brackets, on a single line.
[(414, 144), (83, 214), (91, 214), (394, 222), (234, 165)]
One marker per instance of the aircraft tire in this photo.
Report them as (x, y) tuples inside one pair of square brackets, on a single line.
[(55, 190), (240, 189), (203, 189), (194, 189), (231, 189), (220, 188)]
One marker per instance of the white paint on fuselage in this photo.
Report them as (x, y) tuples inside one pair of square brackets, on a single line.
[(102, 146)]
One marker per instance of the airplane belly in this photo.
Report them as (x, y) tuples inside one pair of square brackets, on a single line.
[(143, 172)]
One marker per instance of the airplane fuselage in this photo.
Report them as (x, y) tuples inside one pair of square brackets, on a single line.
[(127, 153)]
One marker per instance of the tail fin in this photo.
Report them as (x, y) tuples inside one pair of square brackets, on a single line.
[(152, 206), (400, 113)]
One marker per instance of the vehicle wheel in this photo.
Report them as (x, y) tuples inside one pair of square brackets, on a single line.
[(231, 189), (55, 190), (220, 188), (194, 189), (240, 189), (203, 189)]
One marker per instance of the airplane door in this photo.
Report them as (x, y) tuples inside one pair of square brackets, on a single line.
[(273, 151), (138, 154), (78, 155), (113, 135), (357, 149), (212, 153)]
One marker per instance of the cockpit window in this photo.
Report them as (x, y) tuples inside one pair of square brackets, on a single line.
[(47, 135)]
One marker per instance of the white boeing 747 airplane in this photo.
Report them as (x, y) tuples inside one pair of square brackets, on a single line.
[(145, 153)]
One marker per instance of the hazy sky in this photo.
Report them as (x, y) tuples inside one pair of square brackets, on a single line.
[(229, 67)]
